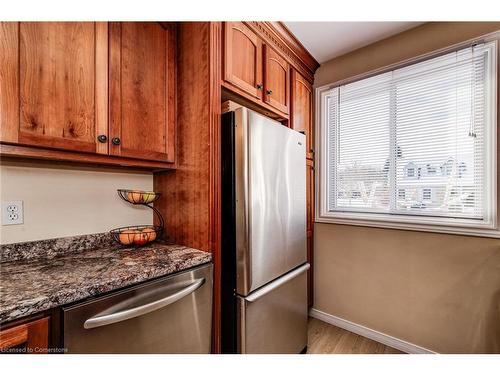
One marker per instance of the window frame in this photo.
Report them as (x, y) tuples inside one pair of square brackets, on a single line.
[(485, 228)]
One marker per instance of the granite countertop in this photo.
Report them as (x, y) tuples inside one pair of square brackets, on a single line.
[(30, 284)]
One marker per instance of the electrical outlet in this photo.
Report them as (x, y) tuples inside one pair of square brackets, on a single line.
[(12, 212)]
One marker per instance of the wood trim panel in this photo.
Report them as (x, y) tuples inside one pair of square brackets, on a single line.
[(70, 157), (229, 96), (114, 85), (296, 47), (29, 139), (185, 201), (171, 67), (234, 93), (101, 84), (9, 81), (215, 174), (272, 34)]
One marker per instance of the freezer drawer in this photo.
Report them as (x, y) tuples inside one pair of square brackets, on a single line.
[(169, 315), (273, 319)]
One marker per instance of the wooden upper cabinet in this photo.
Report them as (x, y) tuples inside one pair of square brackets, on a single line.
[(277, 80), (142, 90), (301, 116), (49, 89), (243, 58)]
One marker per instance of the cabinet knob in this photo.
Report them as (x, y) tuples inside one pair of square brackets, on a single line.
[(102, 138), (260, 86), (269, 92), (116, 141)]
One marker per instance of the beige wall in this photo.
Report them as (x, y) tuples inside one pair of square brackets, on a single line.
[(438, 291), (67, 201)]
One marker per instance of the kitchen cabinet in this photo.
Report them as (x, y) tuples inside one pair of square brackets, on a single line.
[(92, 92), (49, 87), (142, 90), (30, 337), (243, 59), (301, 103), (277, 82), (254, 69)]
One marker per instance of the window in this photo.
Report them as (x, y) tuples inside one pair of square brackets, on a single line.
[(414, 146)]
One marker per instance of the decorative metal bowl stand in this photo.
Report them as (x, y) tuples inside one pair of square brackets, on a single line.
[(136, 197)]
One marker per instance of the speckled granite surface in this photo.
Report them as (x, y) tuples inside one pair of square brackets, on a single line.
[(34, 284), (54, 247)]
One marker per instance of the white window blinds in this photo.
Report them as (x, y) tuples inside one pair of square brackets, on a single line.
[(413, 141)]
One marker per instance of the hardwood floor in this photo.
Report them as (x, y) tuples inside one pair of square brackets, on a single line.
[(324, 338)]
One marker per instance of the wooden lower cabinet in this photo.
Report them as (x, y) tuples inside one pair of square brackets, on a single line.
[(31, 337)]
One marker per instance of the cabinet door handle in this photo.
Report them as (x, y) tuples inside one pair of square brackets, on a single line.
[(269, 92), (260, 86), (116, 141), (102, 138)]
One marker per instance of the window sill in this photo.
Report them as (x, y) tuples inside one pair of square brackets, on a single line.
[(484, 231)]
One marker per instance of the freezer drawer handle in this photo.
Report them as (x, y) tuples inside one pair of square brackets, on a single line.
[(119, 316), (275, 284)]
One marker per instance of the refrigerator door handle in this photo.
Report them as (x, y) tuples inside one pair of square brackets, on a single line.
[(275, 284)]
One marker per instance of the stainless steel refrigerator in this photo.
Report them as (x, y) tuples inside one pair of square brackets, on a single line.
[(264, 264)]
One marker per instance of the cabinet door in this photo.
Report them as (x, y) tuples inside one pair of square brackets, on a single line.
[(277, 82), (32, 337), (243, 58), (302, 109), (50, 96), (142, 90)]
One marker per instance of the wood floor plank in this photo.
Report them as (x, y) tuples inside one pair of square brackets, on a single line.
[(323, 338)]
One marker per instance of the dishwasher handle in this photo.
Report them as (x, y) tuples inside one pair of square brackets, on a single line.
[(119, 316)]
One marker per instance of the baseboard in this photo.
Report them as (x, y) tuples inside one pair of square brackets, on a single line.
[(371, 334)]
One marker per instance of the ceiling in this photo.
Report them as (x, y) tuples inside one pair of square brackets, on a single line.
[(326, 40)]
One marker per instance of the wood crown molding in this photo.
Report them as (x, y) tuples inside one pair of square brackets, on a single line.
[(278, 35)]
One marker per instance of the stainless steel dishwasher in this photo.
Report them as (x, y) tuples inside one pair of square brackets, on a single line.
[(169, 315)]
